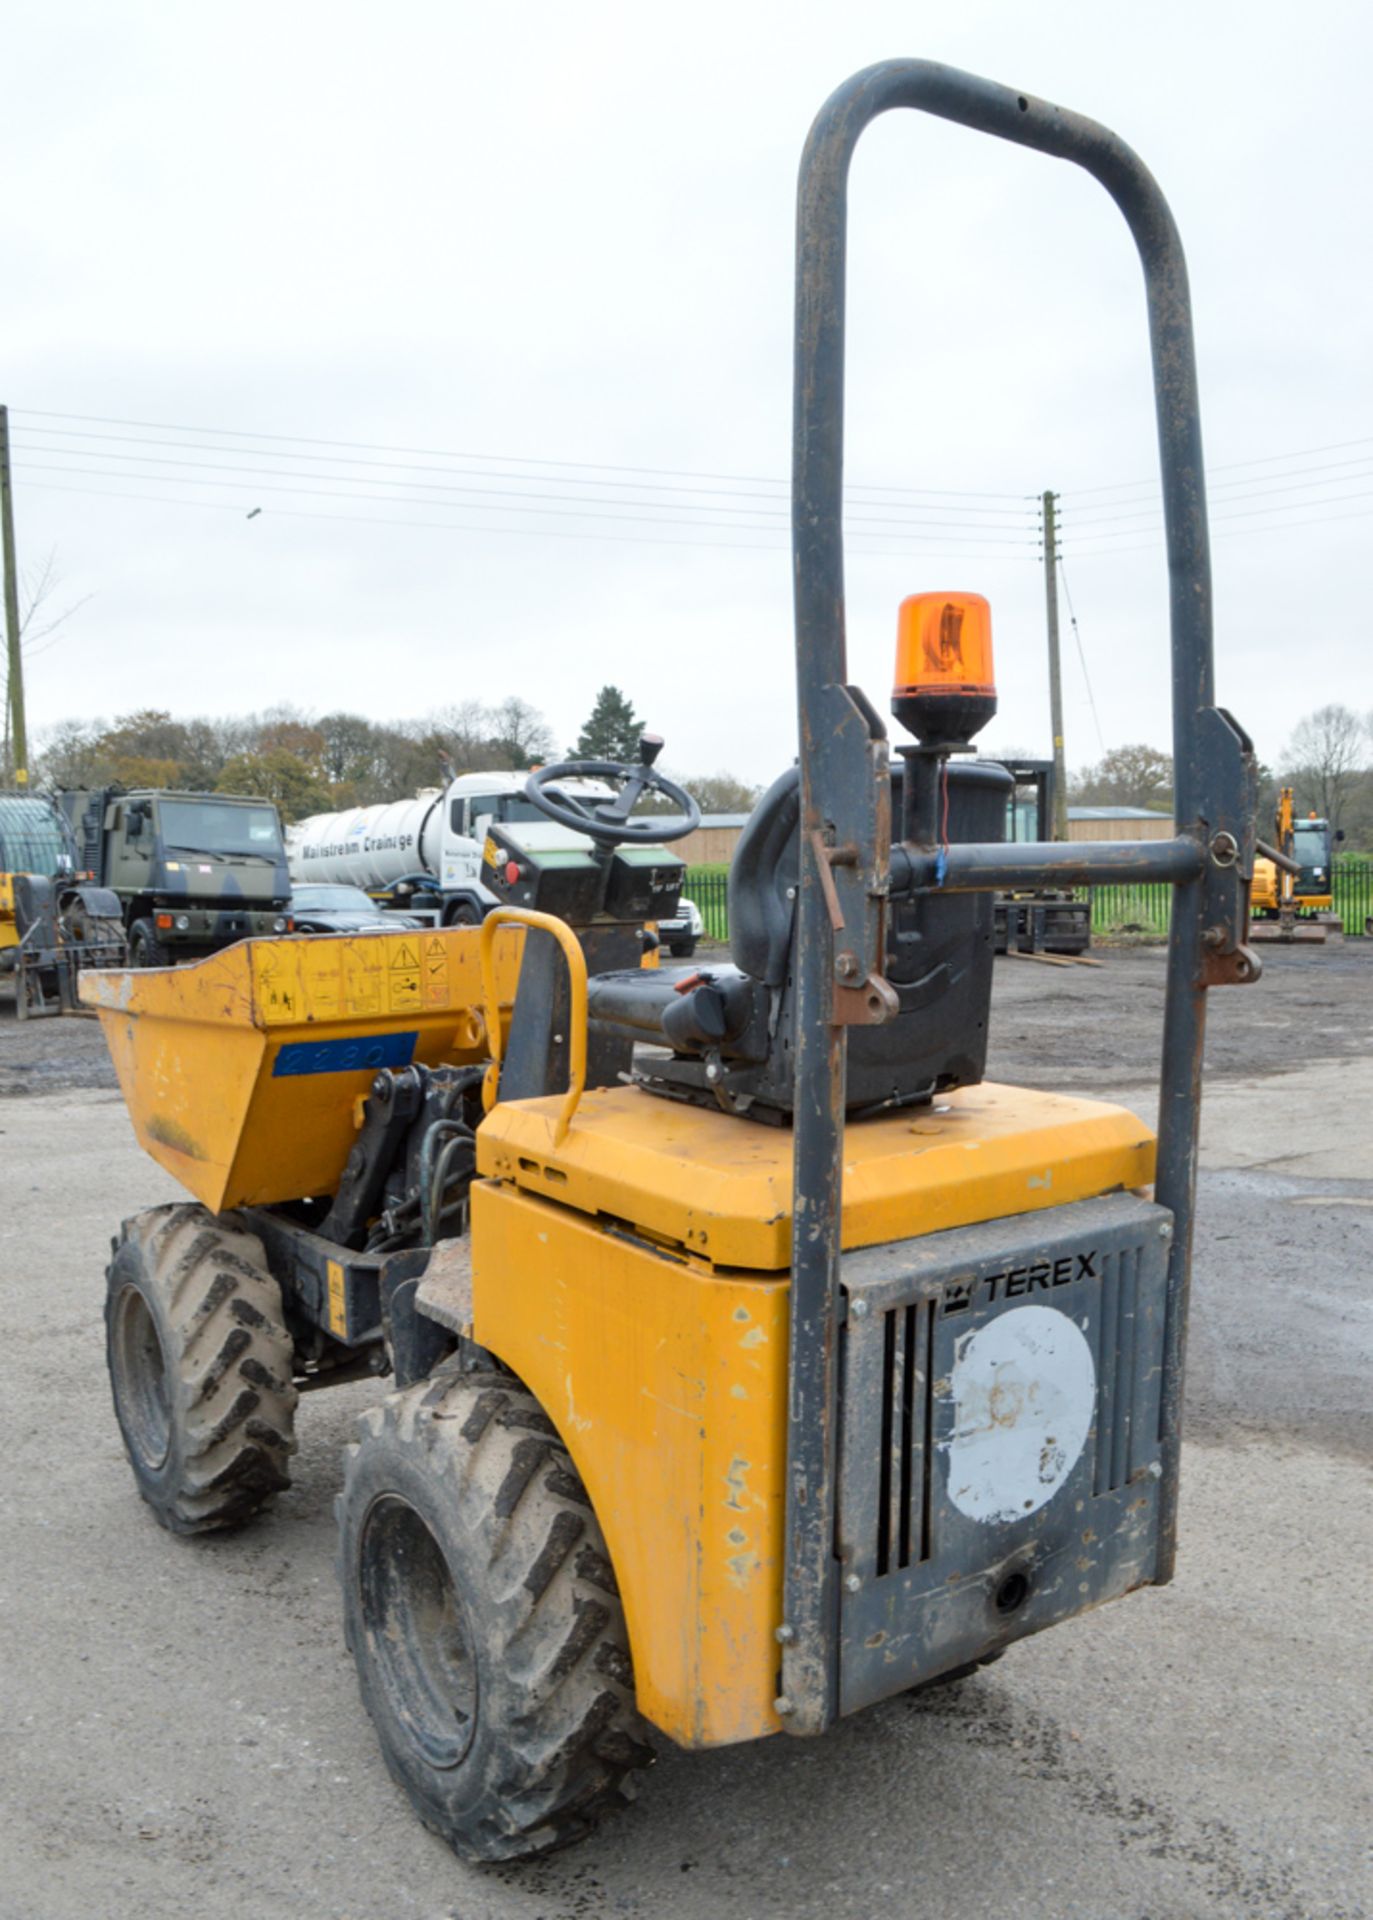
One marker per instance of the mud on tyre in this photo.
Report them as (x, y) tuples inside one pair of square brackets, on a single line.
[(483, 1615), (200, 1367)]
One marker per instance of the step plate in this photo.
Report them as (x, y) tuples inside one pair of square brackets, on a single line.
[(999, 1459)]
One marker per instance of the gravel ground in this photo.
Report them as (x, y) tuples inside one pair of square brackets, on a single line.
[(1099, 1028), (183, 1729)]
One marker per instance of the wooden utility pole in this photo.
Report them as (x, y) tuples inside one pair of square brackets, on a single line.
[(18, 732), (1060, 824)]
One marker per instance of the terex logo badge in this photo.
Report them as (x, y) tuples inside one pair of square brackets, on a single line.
[(1011, 1282)]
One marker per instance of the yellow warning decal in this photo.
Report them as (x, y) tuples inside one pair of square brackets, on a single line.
[(362, 978), (338, 1301), (278, 983), (323, 985), (436, 988), (403, 991)]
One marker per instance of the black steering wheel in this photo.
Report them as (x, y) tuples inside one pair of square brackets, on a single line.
[(608, 822)]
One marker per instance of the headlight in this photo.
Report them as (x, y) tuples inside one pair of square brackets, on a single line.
[(183, 921), (279, 925)]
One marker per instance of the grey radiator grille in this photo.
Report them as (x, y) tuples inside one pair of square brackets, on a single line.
[(904, 1505), (918, 1342), (998, 1451), (1114, 1352)]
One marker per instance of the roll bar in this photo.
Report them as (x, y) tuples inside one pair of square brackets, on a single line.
[(848, 864)]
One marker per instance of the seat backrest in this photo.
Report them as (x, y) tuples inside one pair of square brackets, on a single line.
[(763, 881)]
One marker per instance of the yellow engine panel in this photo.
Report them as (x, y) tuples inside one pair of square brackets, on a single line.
[(242, 1073), (667, 1383)]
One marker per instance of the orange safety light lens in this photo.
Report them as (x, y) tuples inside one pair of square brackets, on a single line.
[(945, 690), (944, 642)]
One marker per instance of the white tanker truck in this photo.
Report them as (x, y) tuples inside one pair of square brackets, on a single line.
[(420, 856)]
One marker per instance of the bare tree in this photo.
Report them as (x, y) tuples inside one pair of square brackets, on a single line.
[(39, 621), (1325, 760), (522, 731), (70, 754)]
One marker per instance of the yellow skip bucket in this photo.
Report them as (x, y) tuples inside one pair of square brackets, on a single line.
[(243, 1074)]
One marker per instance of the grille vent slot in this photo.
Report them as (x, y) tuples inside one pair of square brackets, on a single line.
[(1117, 1327), (906, 1459)]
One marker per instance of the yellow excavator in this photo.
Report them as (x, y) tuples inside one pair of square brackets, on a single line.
[(748, 1356), (1292, 897)]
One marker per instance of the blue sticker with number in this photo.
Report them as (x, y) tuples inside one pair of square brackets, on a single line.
[(364, 1055)]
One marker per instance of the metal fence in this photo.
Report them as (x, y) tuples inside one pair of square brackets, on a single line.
[(709, 888), (1145, 909), (1354, 893), (1124, 909)]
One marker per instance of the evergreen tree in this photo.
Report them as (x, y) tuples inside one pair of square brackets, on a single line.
[(612, 732)]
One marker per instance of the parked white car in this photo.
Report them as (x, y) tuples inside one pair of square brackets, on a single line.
[(680, 934)]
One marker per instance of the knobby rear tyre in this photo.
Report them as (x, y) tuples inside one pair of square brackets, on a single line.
[(483, 1615)]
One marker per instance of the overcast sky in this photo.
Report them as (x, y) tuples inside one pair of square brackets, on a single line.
[(534, 263)]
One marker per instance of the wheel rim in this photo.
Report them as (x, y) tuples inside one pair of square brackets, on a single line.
[(140, 1376), (417, 1633)]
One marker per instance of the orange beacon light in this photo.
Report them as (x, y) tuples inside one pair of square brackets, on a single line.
[(944, 689)]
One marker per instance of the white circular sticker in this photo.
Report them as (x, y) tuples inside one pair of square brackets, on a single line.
[(1024, 1396)]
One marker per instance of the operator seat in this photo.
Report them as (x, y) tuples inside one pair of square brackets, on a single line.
[(728, 1030)]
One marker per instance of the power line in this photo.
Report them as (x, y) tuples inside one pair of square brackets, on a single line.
[(1230, 466), (1105, 524), (913, 551), (600, 466), (1108, 516), (524, 533), (778, 489), (469, 494), (1254, 513), (1152, 511), (440, 453), (1229, 533), (1082, 657), (576, 512)]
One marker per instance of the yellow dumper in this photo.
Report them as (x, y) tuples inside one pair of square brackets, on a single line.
[(750, 1357)]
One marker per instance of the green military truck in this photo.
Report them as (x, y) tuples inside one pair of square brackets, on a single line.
[(193, 871)]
